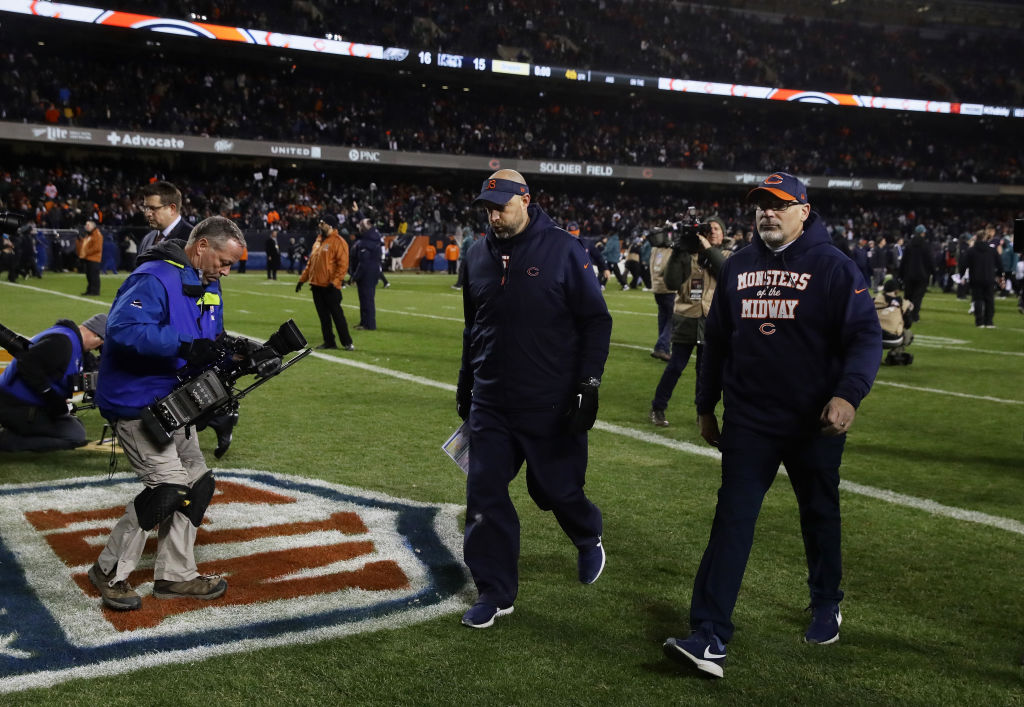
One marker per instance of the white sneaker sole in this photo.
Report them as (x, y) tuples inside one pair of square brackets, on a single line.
[(675, 651), (488, 624), (834, 639)]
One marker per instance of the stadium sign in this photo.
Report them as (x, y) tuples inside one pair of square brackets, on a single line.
[(305, 561), (27, 132), (590, 170), (54, 133), (163, 142), (296, 151)]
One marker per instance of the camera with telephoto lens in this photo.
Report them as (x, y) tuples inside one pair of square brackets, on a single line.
[(10, 222), (14, 342), (209, 392), (684, 231)]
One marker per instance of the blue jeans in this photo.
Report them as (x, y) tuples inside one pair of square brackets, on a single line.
[(750, 462), (670, 376), (665, 304)]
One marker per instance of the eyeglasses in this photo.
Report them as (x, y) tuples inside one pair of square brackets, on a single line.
[(147, 207), (778, 206)]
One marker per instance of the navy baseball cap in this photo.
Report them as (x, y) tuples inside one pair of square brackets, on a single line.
[(500, 191), (784, 186)]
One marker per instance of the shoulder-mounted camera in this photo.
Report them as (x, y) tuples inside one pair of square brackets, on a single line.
[(210, 391), (684, 231)]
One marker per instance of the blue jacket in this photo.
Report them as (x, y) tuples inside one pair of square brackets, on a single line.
[(161, 305), (15, 385), (786, 332), (366, 255), (536, 322)]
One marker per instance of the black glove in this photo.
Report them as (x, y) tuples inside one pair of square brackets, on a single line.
[(54, 405), (298, 286), (583, 407), (265, 362), (200, 352), (464, 396)]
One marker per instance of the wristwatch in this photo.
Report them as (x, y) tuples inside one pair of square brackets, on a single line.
[(591, 382)]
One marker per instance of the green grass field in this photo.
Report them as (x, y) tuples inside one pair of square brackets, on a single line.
[(933, 508)]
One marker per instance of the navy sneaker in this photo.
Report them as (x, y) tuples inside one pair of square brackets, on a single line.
[(702, 649), (482, 614), (824, 628), (590, 563)]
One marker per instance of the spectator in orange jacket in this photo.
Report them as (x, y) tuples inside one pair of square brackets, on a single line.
[(327, 267), (243, 260), (91, 253), (451, 254), (427, 264)]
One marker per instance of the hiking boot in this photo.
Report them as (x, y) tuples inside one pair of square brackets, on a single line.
[(590, 562), (703, 649), (657, 418), (116, 595), (824, 628), (482, 614), (202, 587)]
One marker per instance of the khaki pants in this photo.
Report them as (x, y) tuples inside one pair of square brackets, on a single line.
[(180, 461)]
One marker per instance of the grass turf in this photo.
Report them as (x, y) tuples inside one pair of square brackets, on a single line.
[(932, 609)]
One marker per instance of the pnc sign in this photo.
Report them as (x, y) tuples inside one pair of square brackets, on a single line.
[(305, 561)]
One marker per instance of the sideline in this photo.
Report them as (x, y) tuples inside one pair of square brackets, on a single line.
[(923, 504)]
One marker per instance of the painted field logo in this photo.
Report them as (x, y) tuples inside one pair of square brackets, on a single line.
[(305, 561)]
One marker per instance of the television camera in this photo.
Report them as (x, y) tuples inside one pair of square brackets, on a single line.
[(208, 392), (84, 382), (684, 231), (10, 222)]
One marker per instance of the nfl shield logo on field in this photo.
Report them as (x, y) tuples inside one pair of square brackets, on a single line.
[(305, 561)]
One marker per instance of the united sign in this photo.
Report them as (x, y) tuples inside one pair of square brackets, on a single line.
[(305, 561)]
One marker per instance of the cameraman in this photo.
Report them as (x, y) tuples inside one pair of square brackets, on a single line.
[(35, 388), (692, 270), (165, 316)]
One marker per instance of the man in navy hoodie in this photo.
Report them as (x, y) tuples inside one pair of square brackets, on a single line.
[(533, 351), (792, 346)]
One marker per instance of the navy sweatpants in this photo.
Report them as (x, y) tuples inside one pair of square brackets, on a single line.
[(367, 306), (750, 462), (556, 465)]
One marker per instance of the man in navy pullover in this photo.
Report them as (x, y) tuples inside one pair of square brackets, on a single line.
[(792, 346), (534, 348)]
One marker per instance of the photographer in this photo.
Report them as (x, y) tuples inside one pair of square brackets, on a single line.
[(36, 386), (165, 316), (692, 270)]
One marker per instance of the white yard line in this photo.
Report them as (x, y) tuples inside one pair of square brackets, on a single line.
[(899, 499)]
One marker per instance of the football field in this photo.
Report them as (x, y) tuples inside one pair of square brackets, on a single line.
[(339, 458)]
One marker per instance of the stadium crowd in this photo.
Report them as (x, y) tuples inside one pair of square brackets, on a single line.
[(655, 37), (58, 84), (65, 198)]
